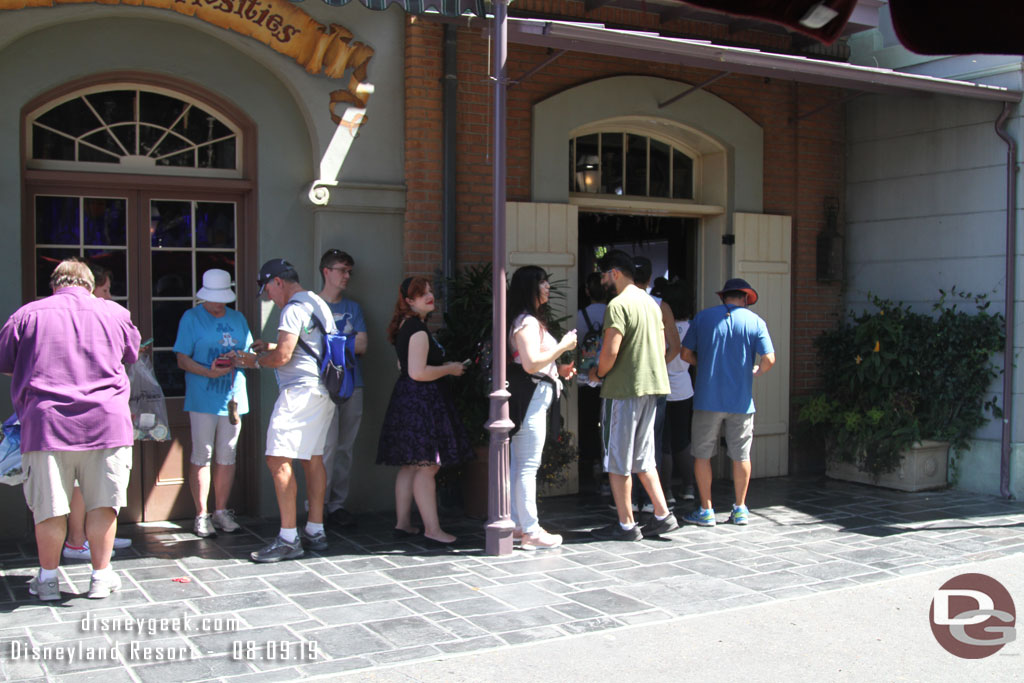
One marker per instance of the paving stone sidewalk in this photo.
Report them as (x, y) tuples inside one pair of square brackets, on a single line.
[(369, 600)]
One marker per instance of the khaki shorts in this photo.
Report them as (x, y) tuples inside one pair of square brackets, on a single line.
[(299, 423), (213, 436), (739, 434), (102, 475)]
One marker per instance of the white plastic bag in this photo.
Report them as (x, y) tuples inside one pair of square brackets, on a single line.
[(148, 407)]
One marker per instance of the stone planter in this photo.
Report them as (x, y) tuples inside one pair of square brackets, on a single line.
[(922, 468)]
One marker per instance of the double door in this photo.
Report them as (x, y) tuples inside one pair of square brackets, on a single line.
[(156, 242)]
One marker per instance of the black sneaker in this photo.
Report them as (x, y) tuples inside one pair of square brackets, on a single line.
[(615, 532), (279, 549), (341, 518), (657, 528)]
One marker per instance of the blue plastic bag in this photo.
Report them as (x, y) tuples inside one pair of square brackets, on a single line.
[(11, 472)]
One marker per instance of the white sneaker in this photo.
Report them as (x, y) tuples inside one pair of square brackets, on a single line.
[(541, 540), (44, 590), (83, 553), (122, 543), (203, 528), (100, 587), (648, 507), (225, 521)]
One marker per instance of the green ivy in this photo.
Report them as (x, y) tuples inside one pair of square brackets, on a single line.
[(893, 377)]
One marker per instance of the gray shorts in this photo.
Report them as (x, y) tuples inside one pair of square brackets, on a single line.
[(627, 431), (739, 434), (213, 436)]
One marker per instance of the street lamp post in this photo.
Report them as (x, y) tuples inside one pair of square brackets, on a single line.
[(499, 522)]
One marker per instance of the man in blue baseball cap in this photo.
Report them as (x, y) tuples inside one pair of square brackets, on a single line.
[(723, 343)]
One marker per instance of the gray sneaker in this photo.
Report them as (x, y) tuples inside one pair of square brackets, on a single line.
[(656, 528), (100, 587), (225, 521), (203, 528), (46, 590), (317, 541), (279, 549)]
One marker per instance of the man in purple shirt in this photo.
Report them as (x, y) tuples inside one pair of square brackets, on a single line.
[(65, 354)]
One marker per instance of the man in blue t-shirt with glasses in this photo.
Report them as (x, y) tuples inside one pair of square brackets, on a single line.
[(723, 342)]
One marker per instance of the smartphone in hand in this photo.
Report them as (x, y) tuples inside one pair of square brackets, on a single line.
[(222, 363)]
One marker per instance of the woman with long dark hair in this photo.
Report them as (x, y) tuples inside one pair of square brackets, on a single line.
[(421, 430), (534, 380)]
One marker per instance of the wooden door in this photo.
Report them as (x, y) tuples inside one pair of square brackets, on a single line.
[(762, 256), (546, 235)]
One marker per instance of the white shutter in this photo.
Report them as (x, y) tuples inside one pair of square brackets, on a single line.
[(762, 256), (546, 235)]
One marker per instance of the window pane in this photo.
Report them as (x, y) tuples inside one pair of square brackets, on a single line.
[(215, 224), (682, 175), (149, 136), (170, 223), (170, 144), (114, 106), (87, 153), (166, 316), (205, 260), (57, 220), (186, 159), (172, 273), (636, 165), (170, 376), (611, 163), (588, 168), (46, 261), (49, 145), (218, 155), (659, 169), (116, 261), (104, 140), (105, 221), (159, 110), (199, 126), (126, 134), (73, 117)]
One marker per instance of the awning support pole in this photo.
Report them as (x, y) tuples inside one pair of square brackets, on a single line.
[(693, 89), (537, 68), (499, 522)]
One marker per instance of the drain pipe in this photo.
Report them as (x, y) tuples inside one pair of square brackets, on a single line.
[(449, 92), (1011, 298)]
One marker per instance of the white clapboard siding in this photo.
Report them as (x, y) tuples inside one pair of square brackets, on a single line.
[(762, 256), (545, 235)]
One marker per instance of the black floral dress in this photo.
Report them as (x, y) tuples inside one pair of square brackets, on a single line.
[(421, 426)]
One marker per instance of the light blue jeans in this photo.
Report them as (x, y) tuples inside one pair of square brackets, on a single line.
[(525, 450)]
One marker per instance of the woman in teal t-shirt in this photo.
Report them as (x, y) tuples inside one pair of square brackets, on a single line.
[(209, 335)]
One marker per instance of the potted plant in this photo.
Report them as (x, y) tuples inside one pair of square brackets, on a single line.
[(896, 380)]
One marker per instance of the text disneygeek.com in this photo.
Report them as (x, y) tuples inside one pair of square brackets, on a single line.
[(240, 650)]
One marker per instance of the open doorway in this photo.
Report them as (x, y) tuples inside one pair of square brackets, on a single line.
[(670, 242)]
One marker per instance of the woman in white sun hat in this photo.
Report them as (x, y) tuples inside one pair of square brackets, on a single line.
[(209, 336)]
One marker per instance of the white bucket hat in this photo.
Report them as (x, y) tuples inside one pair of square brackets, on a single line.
[(216, 287)]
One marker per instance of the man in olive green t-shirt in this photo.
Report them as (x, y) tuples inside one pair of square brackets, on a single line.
[(632, 368)]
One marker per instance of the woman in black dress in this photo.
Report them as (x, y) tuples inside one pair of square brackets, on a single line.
[(421, 430)]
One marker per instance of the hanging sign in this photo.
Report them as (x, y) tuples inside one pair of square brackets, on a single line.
[(279, 24)]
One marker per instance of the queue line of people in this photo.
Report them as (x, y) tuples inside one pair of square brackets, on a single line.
[(421, 430)]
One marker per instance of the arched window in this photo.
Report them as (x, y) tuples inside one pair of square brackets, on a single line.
[(630, 164), (136, 130)]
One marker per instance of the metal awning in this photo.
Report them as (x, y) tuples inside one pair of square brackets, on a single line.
[(447, 8), (598, 39)]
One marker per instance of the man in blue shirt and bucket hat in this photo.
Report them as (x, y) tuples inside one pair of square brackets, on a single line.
[(723, 343)]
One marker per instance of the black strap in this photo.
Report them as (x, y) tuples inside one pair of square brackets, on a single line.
[(590, 325)]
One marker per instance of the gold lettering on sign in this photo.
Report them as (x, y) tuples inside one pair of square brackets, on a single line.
[(277, 23)]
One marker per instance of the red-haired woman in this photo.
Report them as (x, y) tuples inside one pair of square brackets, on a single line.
[(421, 431)]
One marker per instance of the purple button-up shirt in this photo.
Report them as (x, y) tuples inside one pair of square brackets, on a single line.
[(69, 387)]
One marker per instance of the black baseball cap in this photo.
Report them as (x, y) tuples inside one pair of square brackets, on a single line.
[(275, 267)]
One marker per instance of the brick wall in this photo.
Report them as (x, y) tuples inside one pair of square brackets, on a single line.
[(804, 157)]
